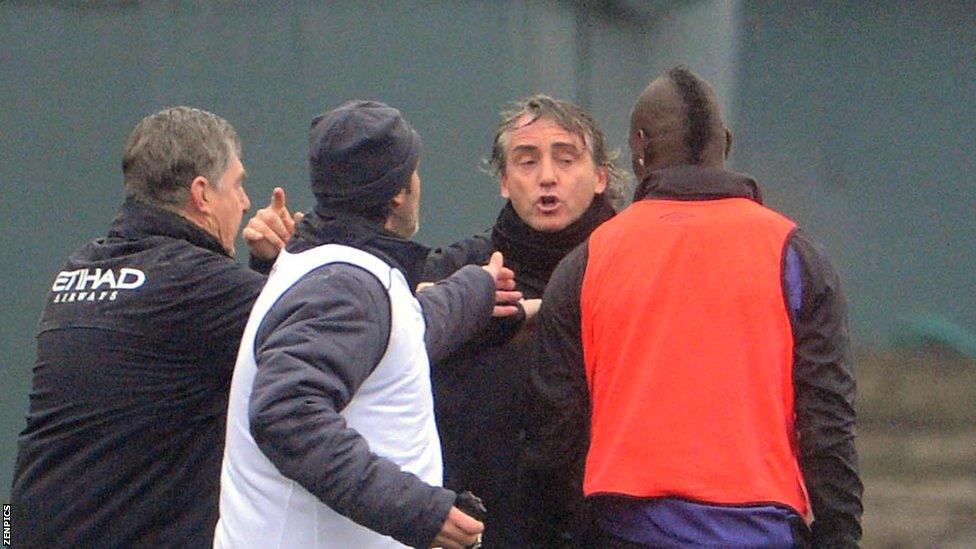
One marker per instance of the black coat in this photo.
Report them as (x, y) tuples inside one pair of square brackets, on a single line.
[(479, 390), (136, 346)]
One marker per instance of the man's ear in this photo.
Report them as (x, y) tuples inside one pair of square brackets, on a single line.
[(200, 194), (638, 141), (602, 177), (728, 142), (400, 197), (503, 186)]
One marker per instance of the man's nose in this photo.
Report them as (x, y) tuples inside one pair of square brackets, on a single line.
[(246, 203), (547, 174)]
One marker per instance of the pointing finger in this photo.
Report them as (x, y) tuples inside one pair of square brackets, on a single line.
[(496, 260), (278, 207), (278, 199)]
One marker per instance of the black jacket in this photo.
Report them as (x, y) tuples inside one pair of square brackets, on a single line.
[(319, 343), (823, 382), (125, 431), (479, 389)]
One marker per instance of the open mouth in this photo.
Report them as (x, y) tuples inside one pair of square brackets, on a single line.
[(549, 202)]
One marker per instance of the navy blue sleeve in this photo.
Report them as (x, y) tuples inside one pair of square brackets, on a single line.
[(442, 263), (557, 415), (315, 348), (824, 391), (260, 265), (456, 309)]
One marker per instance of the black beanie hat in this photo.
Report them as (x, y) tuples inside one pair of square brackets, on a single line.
[(360, 155)]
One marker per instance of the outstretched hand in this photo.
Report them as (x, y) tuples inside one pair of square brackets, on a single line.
[(505, 293), (271, 226)]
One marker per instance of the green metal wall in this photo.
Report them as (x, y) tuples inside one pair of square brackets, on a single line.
[(75, 77), (856, 117)]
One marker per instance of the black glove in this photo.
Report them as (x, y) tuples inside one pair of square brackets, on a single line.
[(474, 507)]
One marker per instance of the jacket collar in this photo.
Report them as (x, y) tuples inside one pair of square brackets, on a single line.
[(335, 227), (697, 183), (136, 220)]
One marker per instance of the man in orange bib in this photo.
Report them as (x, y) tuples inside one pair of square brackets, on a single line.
[(692, 385)]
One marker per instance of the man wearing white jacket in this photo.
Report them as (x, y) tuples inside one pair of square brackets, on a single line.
[(331, 440)]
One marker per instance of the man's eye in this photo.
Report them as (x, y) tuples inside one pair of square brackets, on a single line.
[(527, 162), (565, 160)]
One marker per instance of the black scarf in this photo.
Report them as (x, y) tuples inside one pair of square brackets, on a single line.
[(533, 254)]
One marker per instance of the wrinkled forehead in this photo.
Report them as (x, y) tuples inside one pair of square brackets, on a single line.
[(542, 133)]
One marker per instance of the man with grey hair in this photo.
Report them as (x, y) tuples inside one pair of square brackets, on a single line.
[(136, 346), (552, 164)]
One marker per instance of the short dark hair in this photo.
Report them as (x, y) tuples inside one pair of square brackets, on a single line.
[(167, 149), (570, 117), (698, 111)]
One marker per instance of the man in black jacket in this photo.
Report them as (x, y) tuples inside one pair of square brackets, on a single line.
[(693, 379), (331, 440), (551, 162), (134, 354)]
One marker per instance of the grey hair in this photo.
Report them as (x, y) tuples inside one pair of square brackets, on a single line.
[(570, 117), (166, 150)]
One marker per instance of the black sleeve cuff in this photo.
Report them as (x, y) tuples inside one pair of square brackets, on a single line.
[(260, 265)]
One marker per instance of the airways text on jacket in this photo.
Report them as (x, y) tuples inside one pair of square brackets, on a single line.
[(95, 284)]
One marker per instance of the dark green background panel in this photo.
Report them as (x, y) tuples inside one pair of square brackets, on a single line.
[(77, 76), (856, 117)]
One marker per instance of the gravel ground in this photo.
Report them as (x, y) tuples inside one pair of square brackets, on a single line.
[(917, 448)]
